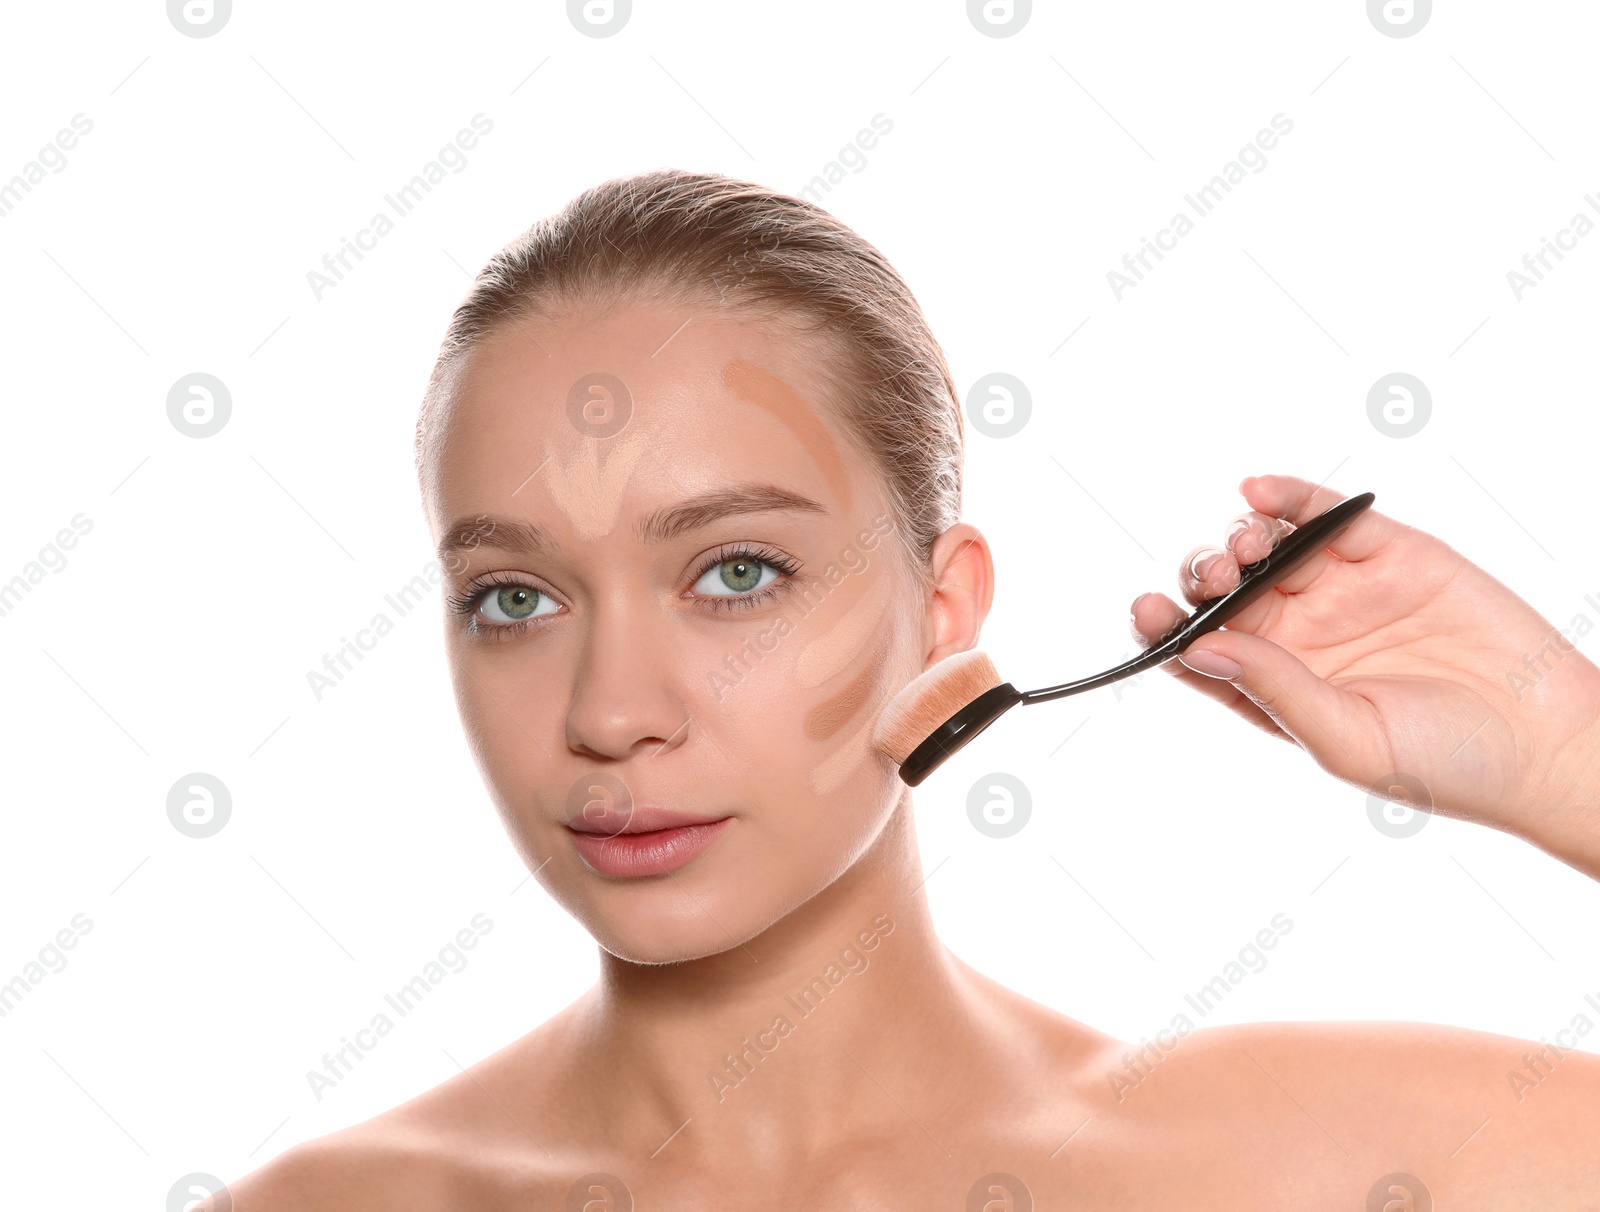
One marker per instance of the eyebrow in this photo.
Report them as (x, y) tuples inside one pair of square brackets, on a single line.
[(512, 534)]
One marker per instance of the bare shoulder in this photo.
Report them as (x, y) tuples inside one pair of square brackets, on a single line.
[(1470, 1113), (1387, 1069), (414, 1158), (478, 1139), (370, 1166)]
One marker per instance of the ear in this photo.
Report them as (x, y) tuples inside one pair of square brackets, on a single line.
[(963, 572)]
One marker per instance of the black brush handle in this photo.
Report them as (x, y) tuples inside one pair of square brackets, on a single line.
[(1254, 580)]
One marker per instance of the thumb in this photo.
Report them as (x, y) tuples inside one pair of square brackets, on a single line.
[(1320, 717)]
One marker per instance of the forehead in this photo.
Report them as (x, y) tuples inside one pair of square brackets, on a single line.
[(692, 397)]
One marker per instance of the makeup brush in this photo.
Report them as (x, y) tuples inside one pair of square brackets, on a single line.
[(943, 708)]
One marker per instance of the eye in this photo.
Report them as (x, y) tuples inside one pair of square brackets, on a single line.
[(736, 576), (731, 577), (515, 603), (503, 604), (742, 574)]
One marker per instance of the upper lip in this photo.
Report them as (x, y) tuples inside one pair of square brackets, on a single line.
[(641, 818)]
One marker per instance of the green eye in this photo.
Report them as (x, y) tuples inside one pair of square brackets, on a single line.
[(514, 602), (741, 575)]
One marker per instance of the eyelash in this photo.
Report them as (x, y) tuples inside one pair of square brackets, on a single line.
[(466, 602)]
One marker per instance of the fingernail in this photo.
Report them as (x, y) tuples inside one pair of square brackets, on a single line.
[(1202, 562), (1212, 664), (1133, 611)]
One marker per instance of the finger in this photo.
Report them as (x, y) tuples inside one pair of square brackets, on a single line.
[(1155, 614), (1206, 572), (1152, 616), (1253, 536), (1331, 724), (1300, 500)]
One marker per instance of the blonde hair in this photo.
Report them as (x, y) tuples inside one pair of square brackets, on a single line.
[(700, 238)]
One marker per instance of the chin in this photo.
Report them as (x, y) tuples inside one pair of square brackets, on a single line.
[(671, 941)]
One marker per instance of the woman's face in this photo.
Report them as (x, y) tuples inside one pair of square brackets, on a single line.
[(683, 590)]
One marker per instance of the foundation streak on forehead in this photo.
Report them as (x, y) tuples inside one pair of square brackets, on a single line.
[(756, 386), (589, 489)]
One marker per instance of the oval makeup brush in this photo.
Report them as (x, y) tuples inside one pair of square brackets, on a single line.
[(943, 708)]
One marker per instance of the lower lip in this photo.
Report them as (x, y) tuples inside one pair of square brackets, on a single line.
[(653, 853)]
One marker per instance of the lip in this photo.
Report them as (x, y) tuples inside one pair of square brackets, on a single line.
[(639, 852), (603, 820)]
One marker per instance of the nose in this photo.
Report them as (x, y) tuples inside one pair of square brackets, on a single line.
[(627, 698)]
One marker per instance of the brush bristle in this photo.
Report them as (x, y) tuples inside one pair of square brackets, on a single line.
[(930, 699)]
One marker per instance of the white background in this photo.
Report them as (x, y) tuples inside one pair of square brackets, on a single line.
[(1019, 170)]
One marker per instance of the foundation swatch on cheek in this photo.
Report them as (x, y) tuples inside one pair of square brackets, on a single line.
[(834, 649), (588, 488), (842, 762), (826, 718), (770, 393), (859, 705)]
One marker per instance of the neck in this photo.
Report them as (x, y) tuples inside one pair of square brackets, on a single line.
[(790, 1040)]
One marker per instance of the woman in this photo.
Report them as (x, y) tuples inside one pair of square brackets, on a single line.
[(692, 457)]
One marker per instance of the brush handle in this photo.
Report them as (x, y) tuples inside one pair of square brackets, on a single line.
[(1254, 580)]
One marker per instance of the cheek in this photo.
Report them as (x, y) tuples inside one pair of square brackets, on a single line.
[(834, 644), (853, 648), (808, 707), (509, 731), (843, 723), (829, 716)]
